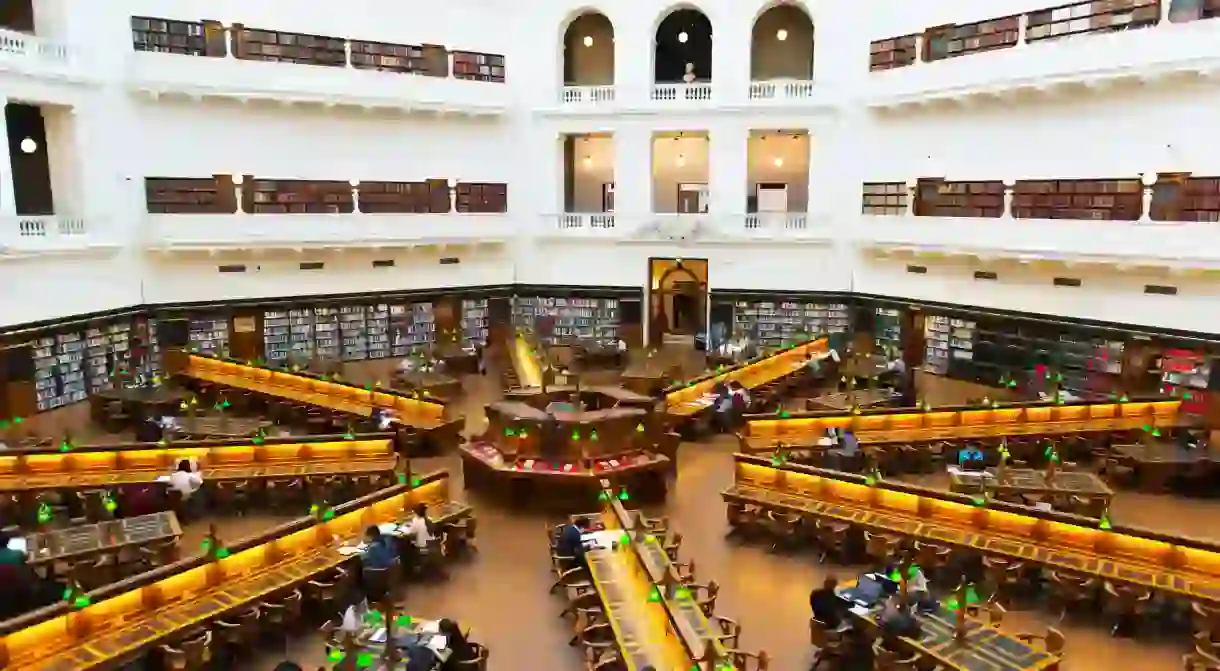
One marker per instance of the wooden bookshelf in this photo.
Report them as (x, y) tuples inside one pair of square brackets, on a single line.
[(385, 57), (254, 44), (955, 40), (478, 67), (884, 198), (290, 196), (483, 198), (893, 52), (394, 197), (439, 201), (1181, 197), (1094, 16), (1183, 11), (185, 38), (177, 195), (940, 198), (1098, 199)]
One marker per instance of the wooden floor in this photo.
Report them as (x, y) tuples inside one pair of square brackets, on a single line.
[(502, 594)]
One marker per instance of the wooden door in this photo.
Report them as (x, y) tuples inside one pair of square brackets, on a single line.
[(246, 336), (913, 342)]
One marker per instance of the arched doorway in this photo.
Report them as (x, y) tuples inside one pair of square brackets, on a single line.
[(588, 51), (781, 44), (683, 50), (678, 298)]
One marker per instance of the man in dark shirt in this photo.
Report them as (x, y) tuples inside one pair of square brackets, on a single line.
[(379, 559), (826, 605), (898, 622), (570, 543)]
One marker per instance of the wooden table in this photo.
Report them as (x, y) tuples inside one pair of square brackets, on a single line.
[(429, 383), (668, 633), (692, 400), (146, 395), (1006, 541), (1019, 481), (863, 398), (141, 476), (984, 648), (222, 427), (102, 537), (143, 628), (1164, 452)]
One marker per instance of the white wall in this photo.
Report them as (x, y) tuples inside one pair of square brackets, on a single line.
[(114, 140)]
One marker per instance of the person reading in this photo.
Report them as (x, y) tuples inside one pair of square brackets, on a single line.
[(187, 481), (571, 544), (826, 605), (461, 652), (379, 558)]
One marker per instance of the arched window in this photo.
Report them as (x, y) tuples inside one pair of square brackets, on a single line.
[(588, 51), (781, 45), (683, 47)]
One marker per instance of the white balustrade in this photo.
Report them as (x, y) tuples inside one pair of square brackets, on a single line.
[(677, 93), (588, 95), (777, 221), (585, 221), (782, 90)]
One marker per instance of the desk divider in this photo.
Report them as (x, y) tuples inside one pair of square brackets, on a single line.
[(977, 422), (316, 391), (766, 369), (151, 456), (1190, 565), (682, 611), (56, 628)]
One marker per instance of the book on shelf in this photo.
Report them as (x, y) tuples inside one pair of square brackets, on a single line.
[(774, 323), (59, 370), (288, 335), (151, 364), (412, 328), (107, 349), (947, 340), (474, 321), (210, 335), (888, 331), (327, 343), (587, 319)]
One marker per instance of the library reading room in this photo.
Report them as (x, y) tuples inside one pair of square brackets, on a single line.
[(765, 335)]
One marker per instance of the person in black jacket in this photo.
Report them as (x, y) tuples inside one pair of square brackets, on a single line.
[(570, 543), (460, 650), (826, 605)]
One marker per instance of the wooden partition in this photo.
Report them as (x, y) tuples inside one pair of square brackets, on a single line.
[(125, 618), (144, 462), (684, 401), (916, 426), (314, 391), (1183, 566)]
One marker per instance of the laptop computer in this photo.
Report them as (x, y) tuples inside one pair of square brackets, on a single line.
[(867, 593)]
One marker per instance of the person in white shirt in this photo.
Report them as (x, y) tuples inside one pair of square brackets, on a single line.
[(186, 480), (418, 528), (385, 420), (353, 617), (622, 345), (168, 422)]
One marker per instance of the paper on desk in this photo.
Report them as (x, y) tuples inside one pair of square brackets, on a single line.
[(430, 626), (387, 528), (348, 550), (378, 636), (162, 478), (859, 610)]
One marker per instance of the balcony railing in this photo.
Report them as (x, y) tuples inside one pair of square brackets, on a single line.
[(782, 90), (34, 55), (777, 221), (1174, 243), (290, 231), (588, 95), (571, 221), (699, 92), (46, 234)]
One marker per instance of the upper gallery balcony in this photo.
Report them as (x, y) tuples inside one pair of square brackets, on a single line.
[(36, 57), (246, 212), (207, 59), (50, 235), (780, 64), (1084, 45), (1166, 219)]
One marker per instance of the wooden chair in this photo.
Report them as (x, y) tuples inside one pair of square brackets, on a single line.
[(479, 660), (880, 548), (189, 655), (464, 532), (1068, 590), (705, 597), (686, 571), (888, 660), (832, 539), (239, 631), (995, 615), (1053, 640), (730, 631), (748, 661), (1127, 602), (282, 613), (673, 545)]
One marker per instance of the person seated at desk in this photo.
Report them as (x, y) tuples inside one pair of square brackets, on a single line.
[(571, 544), (384, 418), (826, 605), (897, 622), (353, 616), (379, 558), (15, 576), (420, 529), (858, 654), (187, 481), (722, 405), (971, 458), (850, 444), (461, 651)]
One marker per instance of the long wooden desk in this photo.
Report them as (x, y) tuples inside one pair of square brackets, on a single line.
[(108, 536), (689, 400), (33, 470), (314, 391), (971, 423), (984, 648), (129, 617), (1186, 567), (655, 620)]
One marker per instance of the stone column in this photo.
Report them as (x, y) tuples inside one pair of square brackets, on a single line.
[(8, 202), (632, 176), (728, 158)]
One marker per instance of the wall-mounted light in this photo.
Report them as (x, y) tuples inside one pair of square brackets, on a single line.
[(588, 161), (779, 162), (683, 37), (681, 160), (29, 146), (588, 40), (781, 34)]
